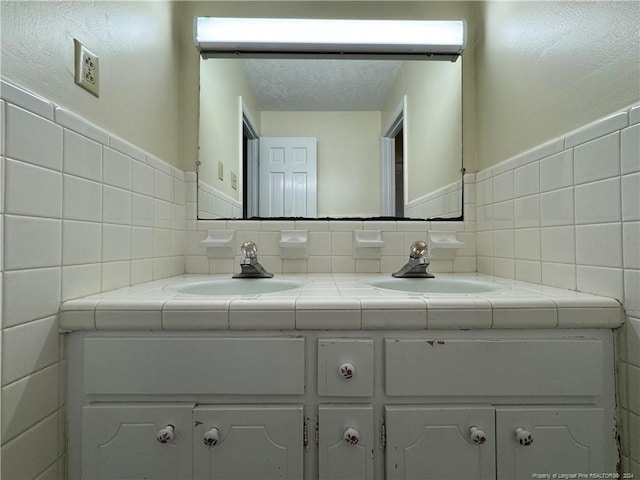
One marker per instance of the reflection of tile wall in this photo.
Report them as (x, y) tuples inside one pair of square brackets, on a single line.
[(82, 212), (212, 204), (330, 243), (446, 202), (567, 214)]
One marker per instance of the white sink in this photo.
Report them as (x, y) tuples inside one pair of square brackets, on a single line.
[(236, 286), (440, 286)]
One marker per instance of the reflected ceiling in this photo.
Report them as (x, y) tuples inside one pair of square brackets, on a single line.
[(321, 85)]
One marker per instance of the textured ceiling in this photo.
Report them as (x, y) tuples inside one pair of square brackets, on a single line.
[(321, 85)]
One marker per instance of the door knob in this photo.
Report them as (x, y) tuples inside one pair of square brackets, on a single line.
[(524, 437), (347, 370), (165, 435), (477, 436), (211, 437), (351, 436)]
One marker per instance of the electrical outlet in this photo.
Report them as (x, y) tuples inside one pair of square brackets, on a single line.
[(220, 170), (87, 68)]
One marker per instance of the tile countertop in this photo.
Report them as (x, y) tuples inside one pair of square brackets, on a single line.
[(338, 302)]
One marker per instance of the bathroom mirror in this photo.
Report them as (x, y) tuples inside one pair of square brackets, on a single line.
[(330, 138)]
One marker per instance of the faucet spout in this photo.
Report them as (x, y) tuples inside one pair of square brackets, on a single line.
[(417, 265), (250, 267)]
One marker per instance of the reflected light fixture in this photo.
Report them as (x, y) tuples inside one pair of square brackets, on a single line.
[(297, 37)]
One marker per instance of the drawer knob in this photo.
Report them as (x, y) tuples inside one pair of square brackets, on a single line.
[(351, 436), (165, 435), (211, 437), (523, 437), (477, 436), (347, 370)]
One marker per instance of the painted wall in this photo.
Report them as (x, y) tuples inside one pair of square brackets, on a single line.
[(433, 137), (348, 157), (222, 85), (559, 65), (136, 43)]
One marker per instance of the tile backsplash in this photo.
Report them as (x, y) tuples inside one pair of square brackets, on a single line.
[(330, 241), (83, 212), (567, 214)]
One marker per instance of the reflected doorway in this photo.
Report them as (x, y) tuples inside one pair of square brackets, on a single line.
[(399, 174)]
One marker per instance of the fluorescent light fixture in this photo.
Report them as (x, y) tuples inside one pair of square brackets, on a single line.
[(223, 37)]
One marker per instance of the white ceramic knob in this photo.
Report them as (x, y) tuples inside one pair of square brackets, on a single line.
[(347, 370), (351, 436), (477, 436), (165, 435), (211, 437), (523, 437)]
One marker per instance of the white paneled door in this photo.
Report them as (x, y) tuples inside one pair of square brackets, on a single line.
[(538, 440), (345, 442), (133, 441), (440, 443), (288, 177), (236, 442)]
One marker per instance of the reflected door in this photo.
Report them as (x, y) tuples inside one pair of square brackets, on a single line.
[(288, 177)]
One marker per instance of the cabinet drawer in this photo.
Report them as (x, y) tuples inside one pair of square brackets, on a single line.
[(493, 367), (194, 365), (345, 367)]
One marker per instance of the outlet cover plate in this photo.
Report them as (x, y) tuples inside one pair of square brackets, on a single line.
[(87, 71)]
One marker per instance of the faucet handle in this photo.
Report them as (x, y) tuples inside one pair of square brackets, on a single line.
[(418, 249), (249, 249)]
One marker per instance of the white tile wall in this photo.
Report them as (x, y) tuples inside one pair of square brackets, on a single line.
[(65, 234), (330, 242), (85, 211), (588, 210)]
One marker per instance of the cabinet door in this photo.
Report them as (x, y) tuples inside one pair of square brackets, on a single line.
[(248, 442), (346, 442), (425, 442), (551, 440), (120, 441)]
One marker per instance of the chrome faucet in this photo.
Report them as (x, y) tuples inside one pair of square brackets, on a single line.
[(417, 265), (250, 268)]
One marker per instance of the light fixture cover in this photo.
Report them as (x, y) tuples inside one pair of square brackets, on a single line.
[(224, 36)]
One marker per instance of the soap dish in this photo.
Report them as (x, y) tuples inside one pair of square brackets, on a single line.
[(219, 243), (294, 244), (367, 244), (443, 245)]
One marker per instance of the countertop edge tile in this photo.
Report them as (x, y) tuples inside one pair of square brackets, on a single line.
[(71, 320), (149, 307), (262, 320), (192, 319), (403, 319), (578, 317), (128, 320)]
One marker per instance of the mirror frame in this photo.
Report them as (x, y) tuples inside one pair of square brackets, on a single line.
[(278, 52)]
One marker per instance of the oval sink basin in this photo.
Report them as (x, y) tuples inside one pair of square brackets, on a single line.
[(446, 286), (236, 286)]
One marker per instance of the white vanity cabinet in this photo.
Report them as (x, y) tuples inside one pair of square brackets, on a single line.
[(133, 441), (346, 442), (436, 443), (239, 442), (340, 405), (511, 443)]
